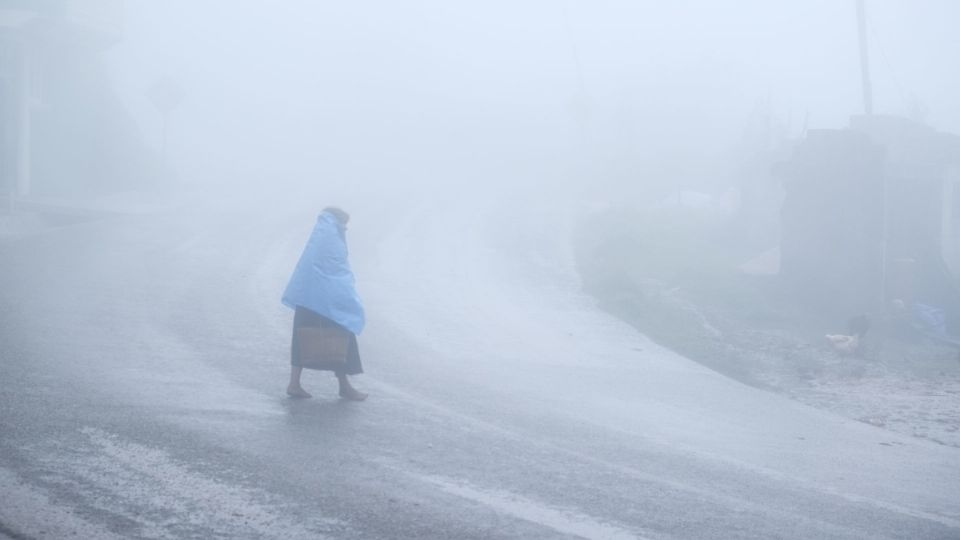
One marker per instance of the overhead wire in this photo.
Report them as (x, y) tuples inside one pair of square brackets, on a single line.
[(901, 89)]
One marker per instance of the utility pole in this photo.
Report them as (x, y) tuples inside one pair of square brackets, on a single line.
[(24, 96), (864, 59), (885, 189), (166, 95)]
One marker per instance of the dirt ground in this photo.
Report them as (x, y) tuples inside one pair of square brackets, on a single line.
[(739, 326), (903, 383)]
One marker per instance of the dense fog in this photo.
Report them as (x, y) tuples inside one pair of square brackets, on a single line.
[(598, 269), (630, 92)]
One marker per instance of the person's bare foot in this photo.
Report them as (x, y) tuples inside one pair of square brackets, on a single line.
[(352, 394), (298, 392)]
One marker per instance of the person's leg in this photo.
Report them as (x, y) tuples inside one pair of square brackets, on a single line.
[(347, 391), (294, 389), (353, 366)]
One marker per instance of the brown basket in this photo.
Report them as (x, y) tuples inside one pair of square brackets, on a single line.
[(323, 348)]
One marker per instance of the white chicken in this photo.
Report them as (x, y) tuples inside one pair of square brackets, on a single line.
[(850, 343), (843, 343)]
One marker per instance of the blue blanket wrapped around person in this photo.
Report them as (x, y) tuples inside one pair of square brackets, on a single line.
[(322, 281)]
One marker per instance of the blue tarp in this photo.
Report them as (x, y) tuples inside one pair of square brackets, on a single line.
[(932, 322), (322, 281)]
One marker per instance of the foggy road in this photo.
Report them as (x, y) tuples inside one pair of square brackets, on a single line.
[(145, 357)]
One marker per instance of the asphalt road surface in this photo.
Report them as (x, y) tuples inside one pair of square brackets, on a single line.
[(144, 357)]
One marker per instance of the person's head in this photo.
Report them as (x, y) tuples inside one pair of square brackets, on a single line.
[(338, 213)]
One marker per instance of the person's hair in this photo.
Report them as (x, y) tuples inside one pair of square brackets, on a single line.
[(338, 213)]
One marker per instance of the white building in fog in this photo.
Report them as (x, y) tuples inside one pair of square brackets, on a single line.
[(31, 33)]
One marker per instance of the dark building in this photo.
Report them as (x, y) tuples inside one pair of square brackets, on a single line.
[(871, 216)]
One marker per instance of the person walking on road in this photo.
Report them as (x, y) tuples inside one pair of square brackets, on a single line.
[(323, 295)]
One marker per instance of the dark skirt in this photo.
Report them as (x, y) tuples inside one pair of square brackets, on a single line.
[(304, 317)]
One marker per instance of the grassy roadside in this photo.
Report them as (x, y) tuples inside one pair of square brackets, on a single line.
[(675, 277)]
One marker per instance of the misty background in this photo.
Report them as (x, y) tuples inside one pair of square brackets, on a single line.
[(612, 92), (632, 269)]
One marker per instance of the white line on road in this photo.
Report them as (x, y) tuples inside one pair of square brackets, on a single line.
[(565, 521)]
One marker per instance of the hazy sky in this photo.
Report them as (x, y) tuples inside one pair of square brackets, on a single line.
[(430, 86)]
